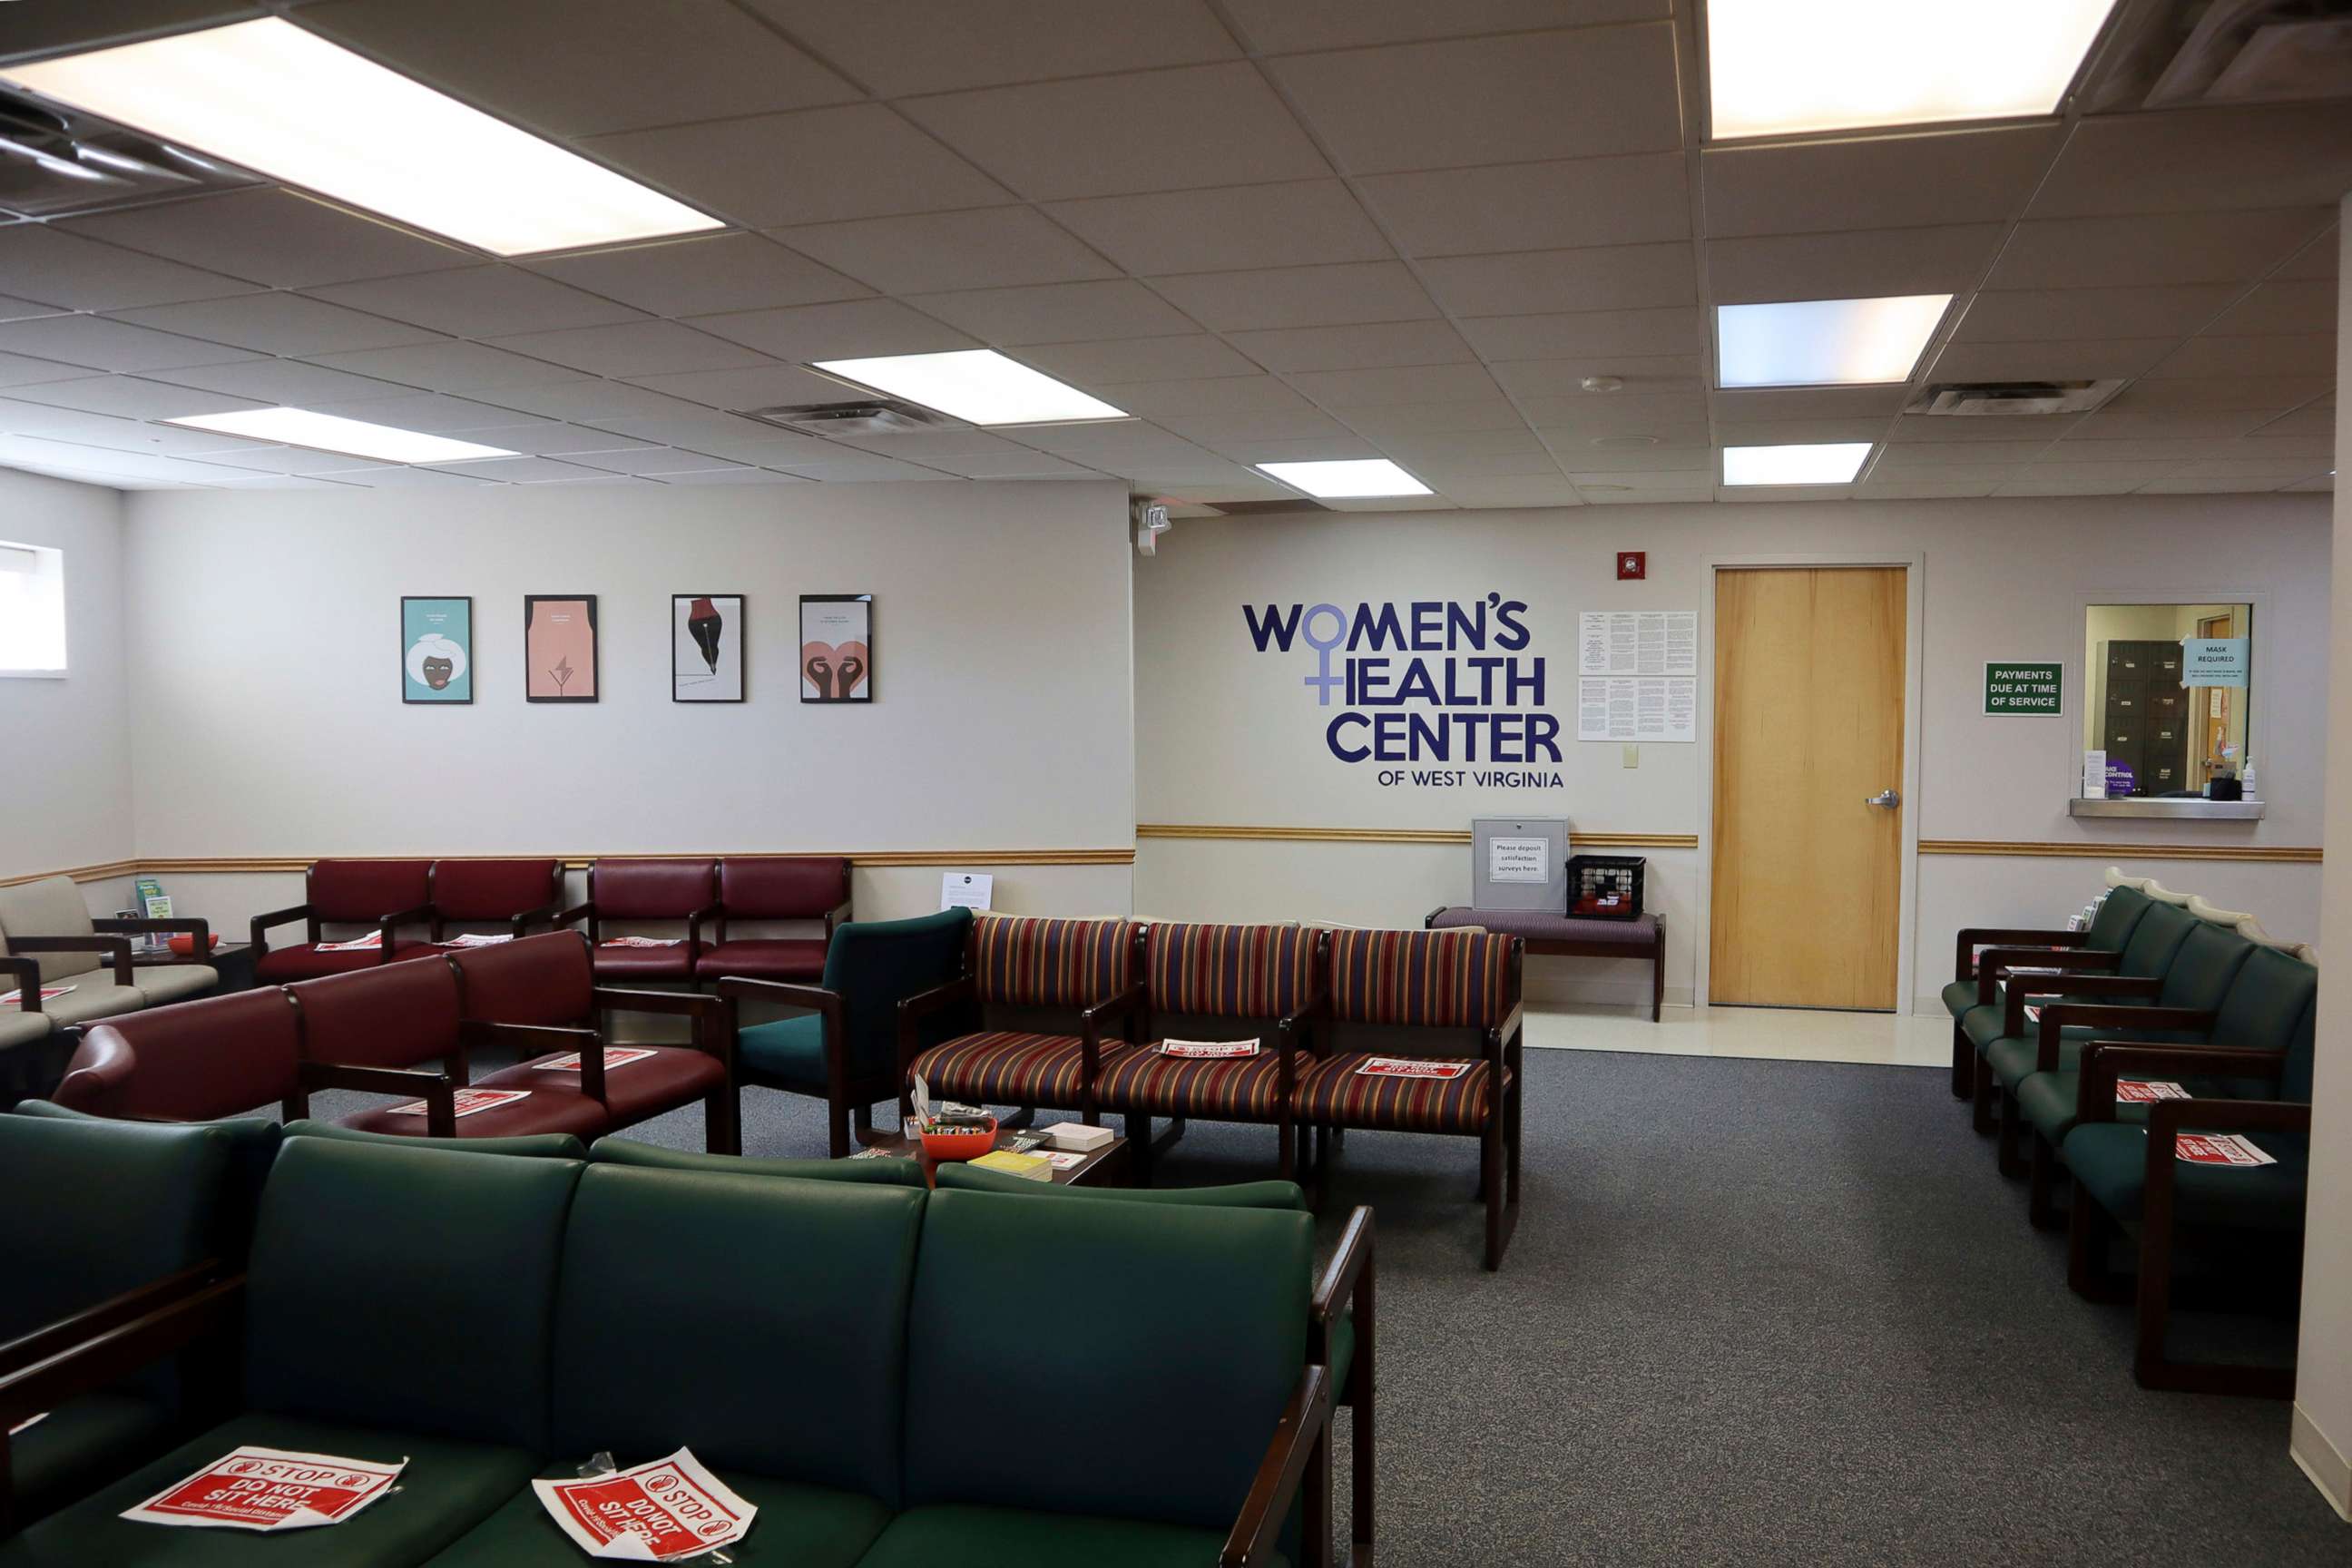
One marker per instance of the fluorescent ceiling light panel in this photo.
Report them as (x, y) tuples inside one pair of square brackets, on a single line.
[(1824, 342), (1830, 463), (978, 385), (1782, 67), (287, 103), (1347, 479), (327, 433)]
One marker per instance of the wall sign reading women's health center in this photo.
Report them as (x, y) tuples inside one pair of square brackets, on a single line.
[(437, 649), (1446, 688)]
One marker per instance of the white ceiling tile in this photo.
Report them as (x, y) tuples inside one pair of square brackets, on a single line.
[(16, 310), (43, 263), (110, 467), (1300, 295), (1294, 224), (1249, 451), (541, 439), (633, 349), (20, 417), (852, 329), (2211, 485), (2281, 449), (1389, 420), (383, 479), (449, 367), (2281, 307), (1859, 265), (278, 325), (2052, 360), (1113, 444), (1947, 430), (100, 344), (819, 167), (1931, 454), (1929, 485), (765, 387), (479, 301), (1529, 489), (1288, 349), (1680, 477), (738, 476), (2318, 419), (1291, 26), (1811, 402), (1535, 207), (1585, 93), (1531, 282), (1649, 465), (987, 247), (1113, 135), (2051, 482), (1641, 375), (1392, 503), (1586, 447), (1603, 333), (1445, 473), (2203, 158), (2114, 422), (851, 467), (575, 67), (2102, 448), (2030, 315), (2254, 468), (1234, 394), (939, 46), (283, 482), (17, 370), (432, 413), (1616, 411), (593, 402), (38, 28), (1189, 357), (131, 397), (1269, 425), (2182, 247), (2268, 393), (1796, 432), (1418, 384), (2320, 257), (521, 470), (703, 275), (2311, 355), (285, 382), (1457, 446), (280, 238), (1012, 463), (1054, 314), (1939, 178)]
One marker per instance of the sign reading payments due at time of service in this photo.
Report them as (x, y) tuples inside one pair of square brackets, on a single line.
[(2025, 688)]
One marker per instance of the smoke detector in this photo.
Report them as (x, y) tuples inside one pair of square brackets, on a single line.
[(871, 416), (2013, 398)]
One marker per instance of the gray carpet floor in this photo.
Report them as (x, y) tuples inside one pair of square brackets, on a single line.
[(1756, 1313)]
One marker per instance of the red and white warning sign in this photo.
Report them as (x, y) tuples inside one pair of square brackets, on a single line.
[(368, 943), (1209, 1050), (570, 1060), (659, 1513), (468, 1101), (1406, 1066), (2146, 1090), (269, 1489), (643, 941), (2219, 1148)]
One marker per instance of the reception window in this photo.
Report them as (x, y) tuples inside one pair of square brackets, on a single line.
[(32, 610), (2169, 690)]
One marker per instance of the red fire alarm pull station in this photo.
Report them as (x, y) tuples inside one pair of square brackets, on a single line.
[(1633, 566)]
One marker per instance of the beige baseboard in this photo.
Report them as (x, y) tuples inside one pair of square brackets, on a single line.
[(2323, 1461)]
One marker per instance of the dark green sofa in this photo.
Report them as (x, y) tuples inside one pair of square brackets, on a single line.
[(1986, 951), (848, 1355)]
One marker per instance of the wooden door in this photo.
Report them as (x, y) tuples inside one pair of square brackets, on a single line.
[(1808, 875)]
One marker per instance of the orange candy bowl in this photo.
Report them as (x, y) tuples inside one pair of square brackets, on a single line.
[(960, 1145)]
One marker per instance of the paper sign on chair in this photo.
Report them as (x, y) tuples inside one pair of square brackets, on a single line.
[(269, 1489)]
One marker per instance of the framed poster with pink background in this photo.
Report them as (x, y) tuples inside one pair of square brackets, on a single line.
[(836, 648), (558, 646)]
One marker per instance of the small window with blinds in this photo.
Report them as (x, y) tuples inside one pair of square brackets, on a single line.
[(32, 610)]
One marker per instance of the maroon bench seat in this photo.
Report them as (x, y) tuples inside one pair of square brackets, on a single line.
[(353, 897), (675, 895), (1550, 933), (1086, 967), (801, 888)]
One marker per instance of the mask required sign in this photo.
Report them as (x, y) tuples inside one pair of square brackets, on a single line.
[(2025, 688)]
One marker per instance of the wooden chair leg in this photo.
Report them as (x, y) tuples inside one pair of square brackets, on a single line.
[(1318, 1522), (1139, 1143), (2088, 1229), (2043, 1183), (1964, 1059), (837, 1129), (2153, 1311), (1362, 1396), (1491, 1162), (1285, 1142), (861, 1118), (2012, 1120), (1981, 1112), (723, 1121)]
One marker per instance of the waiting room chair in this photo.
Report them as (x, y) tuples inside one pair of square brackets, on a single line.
[(674, 896), (48, 939), (509, 897), (342, 901), (1985, 952), (765, 891)]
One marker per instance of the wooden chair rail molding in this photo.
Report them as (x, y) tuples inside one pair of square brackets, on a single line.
[(868, 858), (2105, 850), (1400, 835)]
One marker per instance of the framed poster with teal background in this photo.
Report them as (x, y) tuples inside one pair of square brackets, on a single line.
[(437, 649)]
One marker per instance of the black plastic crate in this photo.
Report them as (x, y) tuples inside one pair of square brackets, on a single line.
[(1594, 878)]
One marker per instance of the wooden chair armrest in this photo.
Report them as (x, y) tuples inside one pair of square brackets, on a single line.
[(2104, 1062), (27, 972), (1299, 1442), (93, 1363), (1317, 1006), (117, 948), (742, 988), (550, 1037), (1994, 964), (837, 916), (1118, 1007), (1973, 937), (546, 914), (713, 910), (689, 1004), (194, 926), (1513, 1023), (260, 924), (437, 1090), (2165, 1118), (913, 1010), (1347, 1271), (1429, 920), (39, 1344), (2020, 991), (2059, 1015), (580, 911)]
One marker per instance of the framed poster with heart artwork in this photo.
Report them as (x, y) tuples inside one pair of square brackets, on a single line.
[(836, 648)]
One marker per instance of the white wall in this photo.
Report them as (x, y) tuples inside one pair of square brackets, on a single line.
[(1227, 735), (268, 718), (64, 760), (2323, 1392)]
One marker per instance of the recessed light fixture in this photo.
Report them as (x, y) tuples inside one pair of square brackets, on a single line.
[(1824, 342), (1782, 67), (284, 103), (1347, 478), (976, 384), (329, 433), (1827, 463)]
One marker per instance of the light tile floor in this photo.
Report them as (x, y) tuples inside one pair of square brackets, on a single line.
[(1782, 1034)]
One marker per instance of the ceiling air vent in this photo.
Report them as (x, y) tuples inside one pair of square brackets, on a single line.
[(2013, 398), (54, 162), (871, 417), (2167, 53)]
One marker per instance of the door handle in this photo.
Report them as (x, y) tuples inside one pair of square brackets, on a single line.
[(1885, 797)]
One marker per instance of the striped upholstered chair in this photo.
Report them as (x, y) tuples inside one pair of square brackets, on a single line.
[(1029, 1018), (1215, 983), (1464, 983)]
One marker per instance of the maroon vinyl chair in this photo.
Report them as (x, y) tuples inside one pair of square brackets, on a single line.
[(676, 895), (352, 897), (192, 1061), (809, 888), (511, 896), (538, 995)]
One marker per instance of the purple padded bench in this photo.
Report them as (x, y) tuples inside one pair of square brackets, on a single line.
[(1569, 936)]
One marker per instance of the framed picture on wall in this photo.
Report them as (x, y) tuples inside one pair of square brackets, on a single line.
[(437, 648), (558, 646), (705, 648), (836, 648)]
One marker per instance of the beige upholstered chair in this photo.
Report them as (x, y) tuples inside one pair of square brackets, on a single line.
[(47, 921)]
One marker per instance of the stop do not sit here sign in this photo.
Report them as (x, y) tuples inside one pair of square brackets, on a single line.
[(660, 1513), (270, 1488)]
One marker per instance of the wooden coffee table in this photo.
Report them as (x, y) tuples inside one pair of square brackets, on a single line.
[(1103, 1167)]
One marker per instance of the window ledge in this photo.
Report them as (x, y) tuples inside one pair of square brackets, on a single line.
[(2205, 810)]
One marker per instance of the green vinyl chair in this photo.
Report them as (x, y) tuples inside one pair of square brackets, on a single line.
[(844, 1050), (1986, 953)]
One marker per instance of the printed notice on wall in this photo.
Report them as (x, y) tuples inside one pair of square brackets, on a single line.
[(1637, 708), (1637, 643), (1518, 860)]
